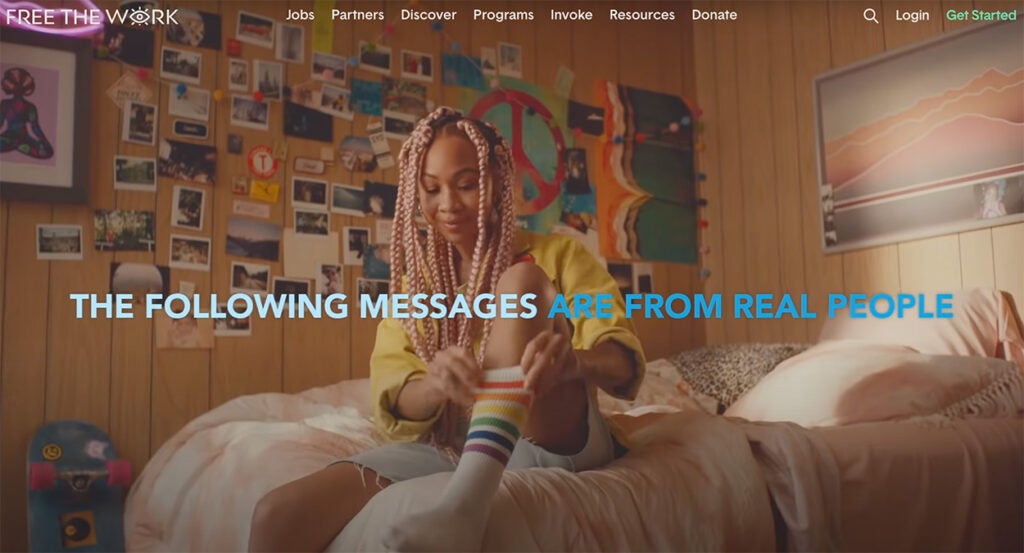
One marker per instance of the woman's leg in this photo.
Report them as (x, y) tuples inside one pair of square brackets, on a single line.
[(307, 514)]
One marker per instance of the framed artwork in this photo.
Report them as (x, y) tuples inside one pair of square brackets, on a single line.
[(922, 141), (45, 104)]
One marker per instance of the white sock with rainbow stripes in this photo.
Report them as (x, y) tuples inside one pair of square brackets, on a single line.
[(458, 522)]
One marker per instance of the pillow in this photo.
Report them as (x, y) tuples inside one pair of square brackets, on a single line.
[(726, 372), (661, 386), (847, 381), (984, 324)]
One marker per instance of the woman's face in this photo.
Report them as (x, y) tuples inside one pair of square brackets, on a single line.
[(450, 190)]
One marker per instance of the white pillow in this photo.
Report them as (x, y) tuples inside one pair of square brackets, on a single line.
[(847, 381)]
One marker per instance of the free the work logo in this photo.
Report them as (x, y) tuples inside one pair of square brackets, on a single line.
[(49, 19)]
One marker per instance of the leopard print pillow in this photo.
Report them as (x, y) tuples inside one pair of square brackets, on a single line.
[(726, 372)]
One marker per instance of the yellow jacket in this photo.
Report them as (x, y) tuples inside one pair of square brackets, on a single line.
[(572, 269)]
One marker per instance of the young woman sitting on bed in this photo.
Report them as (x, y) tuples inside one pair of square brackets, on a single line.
[(465, 388)]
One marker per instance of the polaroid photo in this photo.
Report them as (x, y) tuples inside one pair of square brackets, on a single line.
[(354, 241), (184, 333), (284, 286), (249, 113), (418, 66), (268, 78), (59, 242), (193, 104), (309, 194), (255, 29), (255, 239), (374, 57), (372, 287), (347, 199), (187, 161), (290, 45), (180, 65), (238, 75), (312, 223), (510, 60), (194, 28), (188, 208), (337, 102), (190, 252), (123, 230), (230, 326), (139, 123), (328, 67), (139, 279), (381, 199), (330, 279), (356, 153), (489, 61), (135, 173), (384, 229), (249, 278)]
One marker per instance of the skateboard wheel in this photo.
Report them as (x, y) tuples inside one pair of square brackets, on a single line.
[(119, 472), (42, 476)]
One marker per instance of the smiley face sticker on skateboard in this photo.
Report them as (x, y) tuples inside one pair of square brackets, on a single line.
[(52, 452)]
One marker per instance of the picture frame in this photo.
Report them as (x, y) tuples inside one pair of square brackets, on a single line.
[(64, 85)]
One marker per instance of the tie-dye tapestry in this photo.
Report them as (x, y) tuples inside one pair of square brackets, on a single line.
[(646, 197)]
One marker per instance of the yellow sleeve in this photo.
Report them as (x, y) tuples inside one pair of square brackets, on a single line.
[(581, 273), (393, 363)]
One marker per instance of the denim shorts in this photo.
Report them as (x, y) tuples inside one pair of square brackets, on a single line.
[(405, 461)]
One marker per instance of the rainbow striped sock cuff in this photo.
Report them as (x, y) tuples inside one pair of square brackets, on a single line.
[(499, 414)]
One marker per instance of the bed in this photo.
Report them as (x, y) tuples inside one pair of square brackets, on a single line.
[(938, 472)]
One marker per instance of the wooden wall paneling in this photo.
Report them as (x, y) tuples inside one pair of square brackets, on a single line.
[(976, 261), (787, 178), (709, 162), (733, 249), (823, 274), (247, 365), (759, 183), (314, 351), (1008, 253), (365, 329), (23, 405)]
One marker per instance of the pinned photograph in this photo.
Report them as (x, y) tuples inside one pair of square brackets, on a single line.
[(193, 104), (238, 75), (510, 60), (252, 238), (384, 231), (328, 67), (234, 143), (398, 126), (249, 278), (139, 123), (347, 199), (194, 28), (188, 208), (247, 112), (289, 46), (310, 123), (366, 96), (588, 119), (123, 230), (186, 161), (139, 279), (190, 252), (309, 194), (180, 65), (403, 97), (127, 44), (184, 333), (284, 286), (357, 154), (372, 287), (643, 278), (354, 241), (330, 279), (489, 61), (828, 215), (374, 57), (268, 78), (312, 223), (255, 29), (576, 179), (59, 242), (377, 261), (232, 326), (337, 102), (380, 199), (417, 65), (135, 173), (240, 185)]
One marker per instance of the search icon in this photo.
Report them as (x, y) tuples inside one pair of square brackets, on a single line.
[(869, 15)]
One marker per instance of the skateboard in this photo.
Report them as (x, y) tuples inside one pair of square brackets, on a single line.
[(76, 487)]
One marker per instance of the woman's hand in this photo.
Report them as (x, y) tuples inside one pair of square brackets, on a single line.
[(549, 360), (453, 374)]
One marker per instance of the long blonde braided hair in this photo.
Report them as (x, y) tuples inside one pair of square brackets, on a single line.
[(427, 265)]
